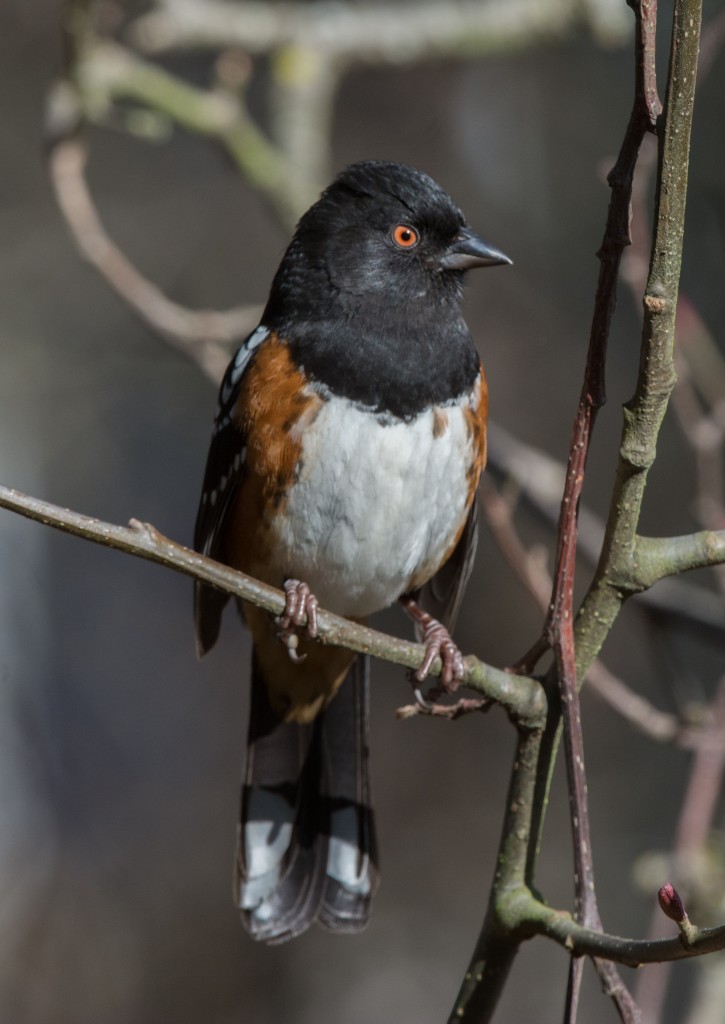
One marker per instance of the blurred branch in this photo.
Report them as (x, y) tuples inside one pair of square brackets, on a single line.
[(522, 698), (694, 826), (540, 479), (309, 47), (107, 72), (394, 33), (644, 716), (689, 733), (204, 335)]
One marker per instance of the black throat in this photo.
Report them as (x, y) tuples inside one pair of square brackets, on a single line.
[(398, 376), (395, 362)]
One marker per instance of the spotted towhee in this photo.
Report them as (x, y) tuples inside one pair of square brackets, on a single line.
[(347, 448)]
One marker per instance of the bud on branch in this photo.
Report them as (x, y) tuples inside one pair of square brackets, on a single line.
[(672, 905)]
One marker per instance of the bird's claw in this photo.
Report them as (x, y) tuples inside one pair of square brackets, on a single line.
[(439, 644), (300, 610)]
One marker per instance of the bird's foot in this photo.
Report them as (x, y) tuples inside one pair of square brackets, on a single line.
[(300, 610), (438, 644)]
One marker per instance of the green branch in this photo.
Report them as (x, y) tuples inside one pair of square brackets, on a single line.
[(562, 928), (655, 558), (617, 574), (514, 914), (106, 73)]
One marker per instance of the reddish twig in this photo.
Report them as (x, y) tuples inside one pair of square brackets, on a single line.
[(463, 706), (645, 110), (559, 625)]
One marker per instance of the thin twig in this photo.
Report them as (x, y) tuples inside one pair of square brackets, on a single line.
[(463, 706)]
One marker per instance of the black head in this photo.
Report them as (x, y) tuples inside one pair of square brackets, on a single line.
[(384, 229), (374, 274)]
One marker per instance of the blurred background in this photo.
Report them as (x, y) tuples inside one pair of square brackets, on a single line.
[(120, 754)]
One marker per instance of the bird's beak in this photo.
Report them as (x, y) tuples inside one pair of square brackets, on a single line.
[(468, 250)]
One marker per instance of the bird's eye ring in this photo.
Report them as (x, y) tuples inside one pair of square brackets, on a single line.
[(404, 236)]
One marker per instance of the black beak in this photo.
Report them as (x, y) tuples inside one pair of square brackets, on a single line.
[(468, 250)]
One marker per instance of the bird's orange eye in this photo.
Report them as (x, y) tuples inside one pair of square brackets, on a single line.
[(405, 236)]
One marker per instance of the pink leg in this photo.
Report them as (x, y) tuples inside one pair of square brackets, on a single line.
[(438, 644)]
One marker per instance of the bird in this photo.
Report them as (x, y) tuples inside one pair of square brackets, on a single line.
[(345, 456)]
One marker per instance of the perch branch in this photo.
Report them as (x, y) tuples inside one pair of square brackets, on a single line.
[(522, 698)]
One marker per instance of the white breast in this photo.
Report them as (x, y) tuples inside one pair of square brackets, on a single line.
[(374, 503)]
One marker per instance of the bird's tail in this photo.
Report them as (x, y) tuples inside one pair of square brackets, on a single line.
[(306, 845)]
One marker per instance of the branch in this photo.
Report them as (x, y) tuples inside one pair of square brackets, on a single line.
[(206, 336), (371, 32), (654, 558), (635, 709), (522, 698), (616, 575), (645, 110), (695, 822), (559, 624), (579, 941), (540, 480), (503, 928), (524, 916), (577, 647), (639, 712)]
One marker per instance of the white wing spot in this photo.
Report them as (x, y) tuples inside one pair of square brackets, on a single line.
[(220, 425), (244, 354)]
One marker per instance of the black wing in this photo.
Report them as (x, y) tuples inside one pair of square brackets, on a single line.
[(441, 596), (222, 477)]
